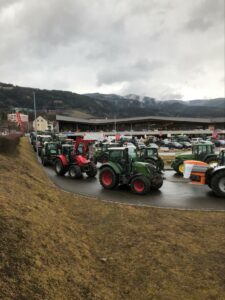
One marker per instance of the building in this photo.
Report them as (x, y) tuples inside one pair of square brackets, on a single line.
[(151, 125), (13, 118), (42, 124)]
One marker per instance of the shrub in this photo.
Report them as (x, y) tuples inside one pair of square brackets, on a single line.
[(9, 143)]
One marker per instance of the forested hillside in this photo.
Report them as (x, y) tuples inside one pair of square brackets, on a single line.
[(100, 105)]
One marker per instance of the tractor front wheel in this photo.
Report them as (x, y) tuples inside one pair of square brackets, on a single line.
[(93, 170), (108, 178), (44, 161), (140, 185), (180, 168), (218, 183), (157, 182), (59, 168), (75, 171)]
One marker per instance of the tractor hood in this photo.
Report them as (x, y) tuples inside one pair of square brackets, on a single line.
[(184, 156)]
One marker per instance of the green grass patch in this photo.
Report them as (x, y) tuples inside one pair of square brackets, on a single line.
[(55, 245)]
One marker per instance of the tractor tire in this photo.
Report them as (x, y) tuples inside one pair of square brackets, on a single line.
[(180, 168), (44, 161), (75, 172), (93, 171), (59, 168), (140, 185), (212, 161), (218, 183), (108, 178), (157, 182)]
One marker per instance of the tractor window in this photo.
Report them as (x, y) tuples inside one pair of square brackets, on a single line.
[(116, 155), (195, 150), (151, 152), (80, 148), (202, 149), (52, 146), (132, 152), (105, 147)]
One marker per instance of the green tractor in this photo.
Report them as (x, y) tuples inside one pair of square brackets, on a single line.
[(102, 154), (151, 156), (49, 153), (124, 169), (201, 152)]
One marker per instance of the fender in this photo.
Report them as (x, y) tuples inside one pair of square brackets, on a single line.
[(211, 156), (82, 160), (116, 168), (63, 160), (217, 169)]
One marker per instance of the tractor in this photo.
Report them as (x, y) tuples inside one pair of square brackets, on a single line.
[(49, 152), (124, 169), (201, 173), (41, 139), (202, 152), (102, 152), (151, 156), (72, 162)]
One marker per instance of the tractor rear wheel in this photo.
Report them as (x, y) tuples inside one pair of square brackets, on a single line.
[(140, 185), (157, 182), (218, 183), (75, 171), (93, 170), (108, 178), (59, 168)]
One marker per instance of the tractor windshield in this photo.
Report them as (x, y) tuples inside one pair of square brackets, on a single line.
[(132, 153), (151, 152), (116, 155)]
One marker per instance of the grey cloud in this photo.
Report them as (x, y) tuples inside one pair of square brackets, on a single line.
[(113, 46), (137, 71), (206, 14)]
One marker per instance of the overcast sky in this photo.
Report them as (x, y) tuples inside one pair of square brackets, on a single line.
[(159, 48)]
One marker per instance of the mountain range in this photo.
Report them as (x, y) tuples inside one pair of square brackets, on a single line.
[(104, 105)]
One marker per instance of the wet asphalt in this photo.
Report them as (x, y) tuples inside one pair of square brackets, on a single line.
[(176, 193)]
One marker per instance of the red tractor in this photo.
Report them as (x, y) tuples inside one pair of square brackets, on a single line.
[(74, 163)]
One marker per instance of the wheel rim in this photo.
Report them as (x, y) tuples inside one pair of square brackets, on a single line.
[(107, 178), (58, 166), (139, 186), (222, 184), (181, 168), (213, 163)]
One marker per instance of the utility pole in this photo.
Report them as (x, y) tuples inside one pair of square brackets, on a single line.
[(35, 120)]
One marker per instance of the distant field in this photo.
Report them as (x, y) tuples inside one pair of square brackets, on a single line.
[(78, 114), (55, 245)]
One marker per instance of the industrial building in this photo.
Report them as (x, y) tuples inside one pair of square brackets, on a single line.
[(154, 125)]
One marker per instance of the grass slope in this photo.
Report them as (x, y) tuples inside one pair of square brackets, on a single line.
[(55, 245)]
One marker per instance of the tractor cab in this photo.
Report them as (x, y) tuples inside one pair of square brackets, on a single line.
[(148, 152), (201, 151), (51, 148), (66, 150)]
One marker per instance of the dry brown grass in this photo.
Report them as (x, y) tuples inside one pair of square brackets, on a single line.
[(55, 245)]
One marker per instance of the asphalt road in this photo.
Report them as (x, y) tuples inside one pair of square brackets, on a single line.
[(176, 192)]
